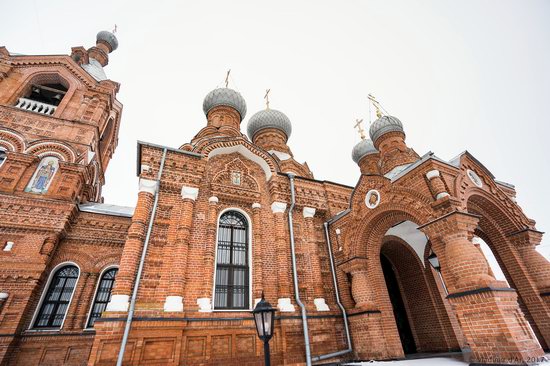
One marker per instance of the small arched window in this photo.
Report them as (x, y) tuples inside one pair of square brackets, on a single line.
[(102, 296), (58, 296), (3, 155), (232, 267)]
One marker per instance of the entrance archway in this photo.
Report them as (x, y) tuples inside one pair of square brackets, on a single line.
[(422, 316)]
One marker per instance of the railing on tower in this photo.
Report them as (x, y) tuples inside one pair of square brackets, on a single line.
[(34, 106)]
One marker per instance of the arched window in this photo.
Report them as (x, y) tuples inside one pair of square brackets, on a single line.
[(43, 94), (232, 267), (102, 296), (56, 302), (3, 155)]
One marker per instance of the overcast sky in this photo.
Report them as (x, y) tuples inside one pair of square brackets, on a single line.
[(459, 74)]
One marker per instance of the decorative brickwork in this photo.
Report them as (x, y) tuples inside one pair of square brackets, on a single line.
[(403, 210)]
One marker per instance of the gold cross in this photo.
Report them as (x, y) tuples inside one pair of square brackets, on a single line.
[(266, 97), (227, 78), (114, 30), (360, 128), (376, 105)]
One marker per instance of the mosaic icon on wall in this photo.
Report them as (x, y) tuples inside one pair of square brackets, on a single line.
[(43, 176), (372, 199)]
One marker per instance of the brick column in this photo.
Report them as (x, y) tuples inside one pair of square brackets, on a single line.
[(129, 260), (257, 260), (283, 262), (539, 268), (205, 303), (362, 290), (174, 300), (487, 310), (314, 255)]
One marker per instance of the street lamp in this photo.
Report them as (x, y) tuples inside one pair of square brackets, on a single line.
[(264, 317), (434, 262)]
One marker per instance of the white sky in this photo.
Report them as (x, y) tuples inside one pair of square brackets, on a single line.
[(459, 74)]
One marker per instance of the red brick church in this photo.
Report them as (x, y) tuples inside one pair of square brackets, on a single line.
[(381, 270)]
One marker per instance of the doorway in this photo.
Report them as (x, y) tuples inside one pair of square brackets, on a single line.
[(399, 310)]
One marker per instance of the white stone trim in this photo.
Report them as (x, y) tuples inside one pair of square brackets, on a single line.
[(147, 185), (189, 192), (308, 212), (213, 199), (432, 174), (8, 247), (281, 155), (4, 295), (256, 205), (118, 303), (204, 305), (441, 195), (145, 168), (320, 304), (278, 207), (284, 305), (243, 150), (174, 304), (338, 231)]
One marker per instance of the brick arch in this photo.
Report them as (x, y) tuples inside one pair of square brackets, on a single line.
[(106, 261), (48, 74), (429, 319), (12, 141), (83, 260), (373, 227), (43, 148), (495, 224)]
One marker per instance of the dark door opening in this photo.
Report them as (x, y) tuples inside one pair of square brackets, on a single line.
[(399, 312)]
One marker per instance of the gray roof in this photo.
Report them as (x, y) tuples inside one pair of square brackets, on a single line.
[(269, 118), (364, 147), (226, 97), (105, 209), (108, 37), (384, 125)]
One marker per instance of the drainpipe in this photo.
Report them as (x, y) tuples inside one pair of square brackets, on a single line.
[(336, 292), (141, 264), (295, 272)]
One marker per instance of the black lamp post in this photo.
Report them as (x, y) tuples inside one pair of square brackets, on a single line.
[(264, 317)]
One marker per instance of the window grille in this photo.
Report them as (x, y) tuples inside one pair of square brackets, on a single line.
[(103, 295), (57, 299), (232, 267)]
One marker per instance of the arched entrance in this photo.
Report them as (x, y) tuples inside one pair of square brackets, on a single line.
[(423, 319)]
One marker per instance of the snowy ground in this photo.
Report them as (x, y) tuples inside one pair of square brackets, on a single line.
[(432, 361)]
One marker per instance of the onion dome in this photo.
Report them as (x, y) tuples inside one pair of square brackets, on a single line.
[(224, 97), (108, 38), (269, 118), (384, 125), (363, 148)]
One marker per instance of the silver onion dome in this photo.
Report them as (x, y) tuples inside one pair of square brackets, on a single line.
[(224, 97), (108, 37), (384, 125), (363, 148), (269, 118)]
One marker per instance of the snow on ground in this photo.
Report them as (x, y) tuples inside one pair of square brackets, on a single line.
[(435, 361)]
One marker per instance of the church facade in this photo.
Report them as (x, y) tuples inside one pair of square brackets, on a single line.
[(381, 270)]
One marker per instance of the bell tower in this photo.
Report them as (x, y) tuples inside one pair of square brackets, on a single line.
[(59, 122)]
